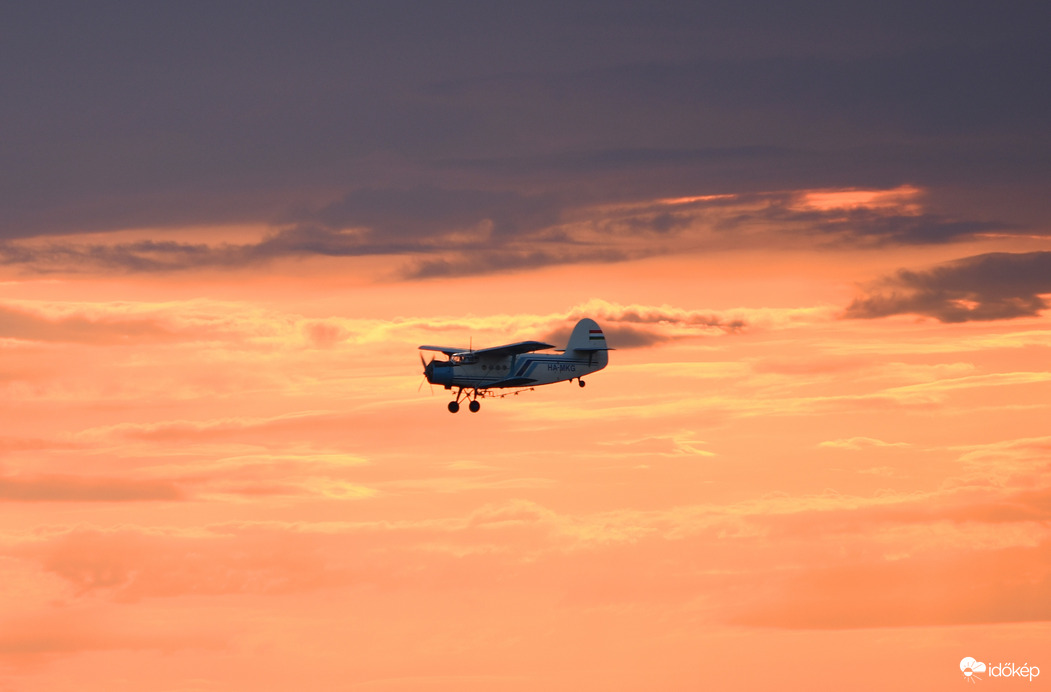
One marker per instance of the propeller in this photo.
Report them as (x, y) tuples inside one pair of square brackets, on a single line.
[(426, 371)]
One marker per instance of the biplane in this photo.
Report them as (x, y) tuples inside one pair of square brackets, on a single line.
[(473, 373)]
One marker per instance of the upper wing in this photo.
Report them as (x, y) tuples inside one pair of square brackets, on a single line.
[(513, 349), (444, 349), (507, 350)]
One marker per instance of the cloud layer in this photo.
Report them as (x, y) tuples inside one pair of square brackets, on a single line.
[(993, 286), (444, 233)]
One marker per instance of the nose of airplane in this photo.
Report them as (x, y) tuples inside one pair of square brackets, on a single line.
[(439, 373)]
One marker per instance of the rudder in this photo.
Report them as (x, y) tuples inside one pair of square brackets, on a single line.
[(587, 336)]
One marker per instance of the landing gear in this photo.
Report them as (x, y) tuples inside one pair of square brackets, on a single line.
[(581, 382), (473, 406)]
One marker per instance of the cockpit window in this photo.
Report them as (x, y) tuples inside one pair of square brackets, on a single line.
[(464, 358)]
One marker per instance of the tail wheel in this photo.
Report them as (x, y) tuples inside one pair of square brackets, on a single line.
[(581, 382)]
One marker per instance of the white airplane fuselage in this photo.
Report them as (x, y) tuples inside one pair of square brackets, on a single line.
[(521, 370)]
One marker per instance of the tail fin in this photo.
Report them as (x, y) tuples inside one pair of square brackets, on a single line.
[(587, 336)]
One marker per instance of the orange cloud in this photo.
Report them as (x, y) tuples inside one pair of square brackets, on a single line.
[(1005, 585), (32, 641), (29, 325), (128, 564), (68, 488), (903, 198)]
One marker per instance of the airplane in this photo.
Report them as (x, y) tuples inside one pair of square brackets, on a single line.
[(473, 372)]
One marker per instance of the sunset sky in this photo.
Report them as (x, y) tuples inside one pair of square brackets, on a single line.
[(817, 234)]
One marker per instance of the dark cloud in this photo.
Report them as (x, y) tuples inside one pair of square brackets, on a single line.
[(620, 336), (455, 232), (425, 212), (167, 256), (993, 286), (641, 326), (788, 216), (399, 114), (867, 226), (668, 316), (513, 259)]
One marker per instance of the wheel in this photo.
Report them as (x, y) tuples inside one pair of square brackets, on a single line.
[(453, 407), (474, 406), (581, 382)]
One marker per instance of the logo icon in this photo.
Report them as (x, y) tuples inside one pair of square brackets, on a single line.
[(970, 668)]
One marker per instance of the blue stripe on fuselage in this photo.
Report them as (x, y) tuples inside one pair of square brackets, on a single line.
[(527, 367)]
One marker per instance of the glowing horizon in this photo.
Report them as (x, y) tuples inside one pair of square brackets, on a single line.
[(251, 454)]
